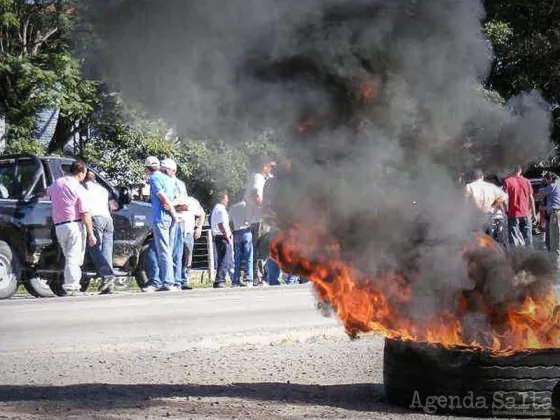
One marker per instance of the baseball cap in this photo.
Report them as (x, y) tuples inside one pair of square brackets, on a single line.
[(151, 162), (169, 164)]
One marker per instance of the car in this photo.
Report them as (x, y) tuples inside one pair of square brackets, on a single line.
[(29, 252)]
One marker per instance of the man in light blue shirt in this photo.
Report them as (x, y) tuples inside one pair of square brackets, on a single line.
[(162, 191), (552, 195)]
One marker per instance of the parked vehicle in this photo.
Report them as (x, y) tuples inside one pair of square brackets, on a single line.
[(29, 252)]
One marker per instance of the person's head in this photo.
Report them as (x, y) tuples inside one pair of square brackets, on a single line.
[(518, 170), (478, 174), (90, 177), (223, 198), (263, 165), (151, 164), (550, 178), (169, 166), (78, 169)]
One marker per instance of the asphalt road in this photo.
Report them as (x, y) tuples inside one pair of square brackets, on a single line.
[(171, 320), (202, 354)]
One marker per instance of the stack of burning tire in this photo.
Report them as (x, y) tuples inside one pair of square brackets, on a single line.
[(470, 382)]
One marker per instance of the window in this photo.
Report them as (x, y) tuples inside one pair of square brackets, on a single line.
[(7, 174), (27, 180)]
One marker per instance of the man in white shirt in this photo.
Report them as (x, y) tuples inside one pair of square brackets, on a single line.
[(101, 253), (219, 222), (193, 219), (254, 197), (486, 196)]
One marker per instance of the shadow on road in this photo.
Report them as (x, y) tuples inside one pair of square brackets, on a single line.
[(357, 397)]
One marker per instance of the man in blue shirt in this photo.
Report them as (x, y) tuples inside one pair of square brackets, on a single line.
[(162, 191), (552, 195)]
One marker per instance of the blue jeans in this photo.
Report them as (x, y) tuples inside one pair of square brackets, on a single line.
[(520, 230), (102, 252), (164, 249), (274, 273), (152, 269), (188, 248), (223, 256), (243, 252), (177, 232)]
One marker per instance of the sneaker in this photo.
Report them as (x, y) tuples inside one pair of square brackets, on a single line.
[(168, 289), (186, 287), (106, 286), (219, 285), (149, 289)]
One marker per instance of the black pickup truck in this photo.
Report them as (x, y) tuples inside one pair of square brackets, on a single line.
[(29, 253)]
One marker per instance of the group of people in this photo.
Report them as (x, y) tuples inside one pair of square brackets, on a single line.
[(82, 218), (516, 199), (243, 232), (177, 220)]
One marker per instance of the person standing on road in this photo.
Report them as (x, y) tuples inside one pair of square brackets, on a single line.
[(254, 196), (72, 221), (487, 197), (521, 209), (193, 219), (274, 202), (219, 222), (169, 167), (551, 192), (162, 191), (242, 244), (101, 253)]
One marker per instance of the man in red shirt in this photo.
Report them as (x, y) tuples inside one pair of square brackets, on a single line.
[(521, 209)]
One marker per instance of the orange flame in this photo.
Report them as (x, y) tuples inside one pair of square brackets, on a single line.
[(382, 304), (368, 91), (306, 124)]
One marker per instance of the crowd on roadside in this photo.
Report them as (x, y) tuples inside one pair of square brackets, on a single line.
[(516, 202), (241, 234)]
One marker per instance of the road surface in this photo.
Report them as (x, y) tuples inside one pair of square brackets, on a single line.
[(264, 353)]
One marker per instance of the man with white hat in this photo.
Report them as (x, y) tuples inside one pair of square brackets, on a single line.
[(179, 201), (162, 192)]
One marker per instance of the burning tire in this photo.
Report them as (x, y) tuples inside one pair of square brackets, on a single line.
[(470, 382)]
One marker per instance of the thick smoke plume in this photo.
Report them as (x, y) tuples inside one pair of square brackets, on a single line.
[(378, 103)]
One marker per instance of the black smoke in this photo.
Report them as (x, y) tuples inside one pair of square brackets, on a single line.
[(392, 91)]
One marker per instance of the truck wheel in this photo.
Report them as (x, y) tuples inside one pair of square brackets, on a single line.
[(140, 274), (10, 271), (38, 287)]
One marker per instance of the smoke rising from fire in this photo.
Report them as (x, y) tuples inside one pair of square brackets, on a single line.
[(378, 102)]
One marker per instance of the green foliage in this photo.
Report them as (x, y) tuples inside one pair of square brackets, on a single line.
[(526, 39), (24, 146), (36, 70)]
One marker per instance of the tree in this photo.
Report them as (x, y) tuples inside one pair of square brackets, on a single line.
[(526, 39), (37, 70)]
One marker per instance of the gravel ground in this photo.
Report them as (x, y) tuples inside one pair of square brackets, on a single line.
[(321, 377), (256, 373)]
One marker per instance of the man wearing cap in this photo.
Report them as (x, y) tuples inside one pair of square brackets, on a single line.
[(72, 221), (162, 191), (193, 219), (179, 201)]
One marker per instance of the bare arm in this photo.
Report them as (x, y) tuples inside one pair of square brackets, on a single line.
[(167, 205), (533, 206), (86, 219), (199, 221), (225, 231)]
